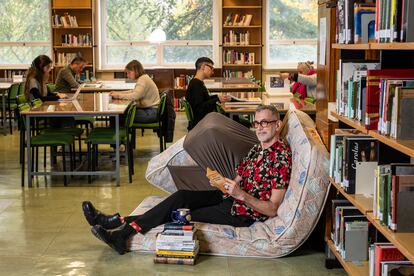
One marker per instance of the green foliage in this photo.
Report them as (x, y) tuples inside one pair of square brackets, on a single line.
[(134, 20), (21, 21), (293, 19)]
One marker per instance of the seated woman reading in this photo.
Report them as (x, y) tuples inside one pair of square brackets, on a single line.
[(36, 80), (145, 93), (255, 194)]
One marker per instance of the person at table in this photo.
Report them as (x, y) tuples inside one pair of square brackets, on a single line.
[(145, 94), (304, 81), (36, 80), (67, 78), (255, 194), (197, 94)]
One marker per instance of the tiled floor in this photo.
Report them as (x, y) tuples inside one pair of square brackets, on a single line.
[(43, 232)]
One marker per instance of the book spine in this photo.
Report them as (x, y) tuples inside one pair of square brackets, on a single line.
[(178, 227), (169, 260), (176, 253)]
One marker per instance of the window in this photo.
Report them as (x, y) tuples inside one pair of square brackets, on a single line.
[(24, 33), (126, 26), (291, 32)]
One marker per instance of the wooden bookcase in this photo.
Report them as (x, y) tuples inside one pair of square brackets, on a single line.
[(255, 45), (83, 10), (391, 55)]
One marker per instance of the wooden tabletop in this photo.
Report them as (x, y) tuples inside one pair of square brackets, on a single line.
[(251, 108), (86, 104)]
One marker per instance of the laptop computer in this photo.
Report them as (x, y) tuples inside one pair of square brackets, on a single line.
[(74, 96)]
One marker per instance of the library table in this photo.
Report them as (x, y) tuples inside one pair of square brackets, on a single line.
[(88, 104), (250, 109)]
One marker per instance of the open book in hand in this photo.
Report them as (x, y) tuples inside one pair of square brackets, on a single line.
[(216, 179)]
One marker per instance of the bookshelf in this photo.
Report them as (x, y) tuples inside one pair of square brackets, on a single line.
[(392, 55), (403, 241), (70, 37), (242, 40)]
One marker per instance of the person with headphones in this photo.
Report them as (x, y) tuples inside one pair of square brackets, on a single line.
[(36, 80)]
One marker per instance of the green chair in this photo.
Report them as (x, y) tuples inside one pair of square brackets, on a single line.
[(21, 88), (156, 126), (55, 139), (188, 113), (107, 136), (51, 87), (12, 103)]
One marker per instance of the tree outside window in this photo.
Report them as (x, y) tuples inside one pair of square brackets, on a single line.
[(24, 32)]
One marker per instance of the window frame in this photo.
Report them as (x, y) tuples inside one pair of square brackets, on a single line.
[(269, 42), (159, 63), (48, 44)]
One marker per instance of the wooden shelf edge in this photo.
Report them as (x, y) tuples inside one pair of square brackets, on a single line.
[(72, 47), (241, 46), (392, 46), (355, 124), (242, 7), (71, 8), (241, 65), (400, 240), (351, 46), (350, 267), (238, 27), (375, 46), (69, 28), (405, 146), (362, 203)]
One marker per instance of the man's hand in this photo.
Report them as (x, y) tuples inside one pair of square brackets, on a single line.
[(233, 189), (114, 94), (62, 95), (225, 98)]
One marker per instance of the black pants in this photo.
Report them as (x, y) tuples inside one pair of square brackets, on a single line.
[(205, 206)]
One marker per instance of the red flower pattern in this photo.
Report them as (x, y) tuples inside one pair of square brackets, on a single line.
[(259, 178)]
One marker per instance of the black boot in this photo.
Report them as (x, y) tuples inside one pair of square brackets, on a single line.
[(94, 217), (117, 239)]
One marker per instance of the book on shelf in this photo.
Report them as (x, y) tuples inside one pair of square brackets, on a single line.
[(373, 92), (336, 203), (402, 122), (364, 22), (387, 104), (394, 180), (385, 252), (357, 149), (397, 268), (356, 240), (236, 57), (233, 38), (238, 20), (349, 72), (64, 21), (229, 74)]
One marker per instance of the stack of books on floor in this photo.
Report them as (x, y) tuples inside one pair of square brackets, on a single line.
[(177, 244)]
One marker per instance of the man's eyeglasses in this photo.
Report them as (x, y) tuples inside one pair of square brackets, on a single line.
[(210, 66), (263, 123)]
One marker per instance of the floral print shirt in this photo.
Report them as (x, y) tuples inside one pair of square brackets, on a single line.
[(272, 171)]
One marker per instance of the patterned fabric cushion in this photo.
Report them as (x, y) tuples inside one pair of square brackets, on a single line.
[(297, 215)]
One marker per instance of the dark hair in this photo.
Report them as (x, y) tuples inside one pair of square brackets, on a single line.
[(201, 61), (271, 108), (135, 66), (78, 60), (36, 71)]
